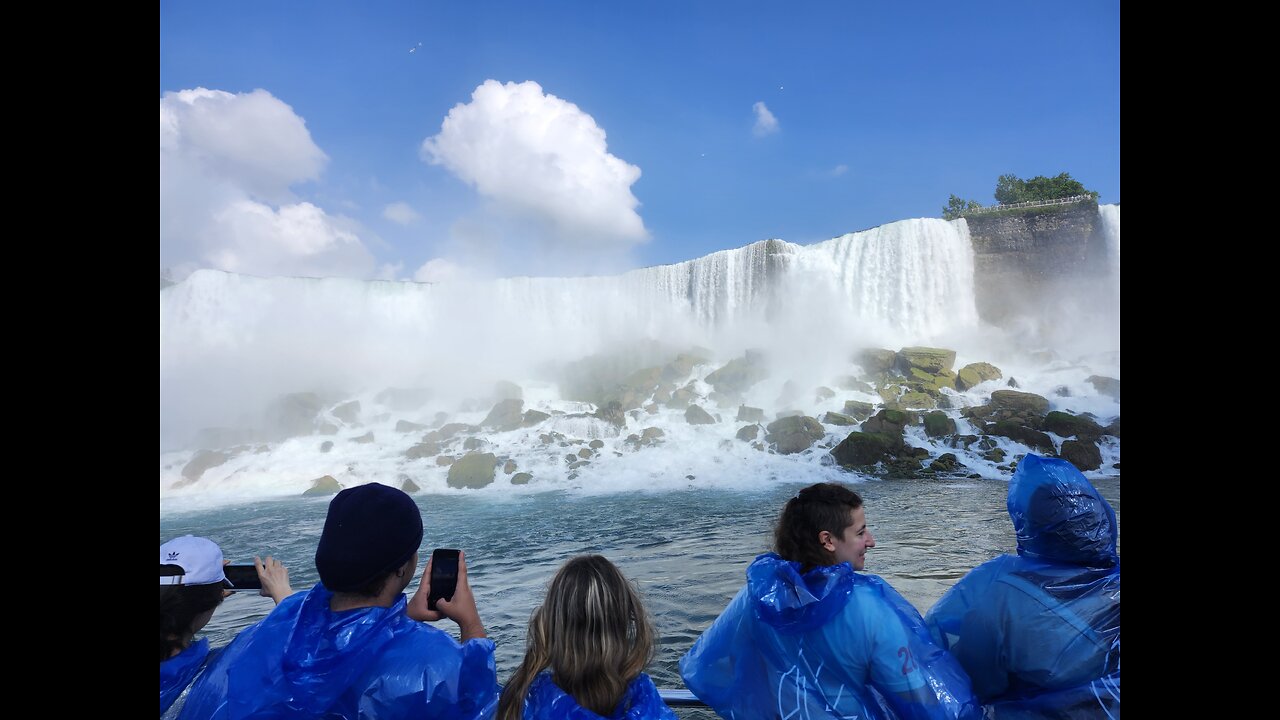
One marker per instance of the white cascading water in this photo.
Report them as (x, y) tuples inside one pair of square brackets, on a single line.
[(1110, 215), (231, 344)]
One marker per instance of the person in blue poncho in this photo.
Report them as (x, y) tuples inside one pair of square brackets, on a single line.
[(587, 647), (810, 637), (192, 586), (354, 646), (1039, 632)]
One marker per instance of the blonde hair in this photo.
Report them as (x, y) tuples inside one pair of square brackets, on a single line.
[(592, 632)]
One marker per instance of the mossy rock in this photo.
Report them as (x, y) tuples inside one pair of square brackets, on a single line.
[(823, 392), (903, 468), (1067, 425), (612, 414), (946, 463), (321, 486), (860, 449), (532, 417), (858, 410), (326, 446), (505, 415), (888, 420), (404, 426), (521, 478), (889, 394), (750, 414), (1019, 401), (1027, 436), (364, 439), (835, 418), (747, 433), (937, 424), (976, 373), (916, 401), (1084, 454), (928, 359), (930, 382), (473, 470), (409, 486), (790, 435)]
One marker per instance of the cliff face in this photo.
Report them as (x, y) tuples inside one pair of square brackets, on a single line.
[(1021, 257)]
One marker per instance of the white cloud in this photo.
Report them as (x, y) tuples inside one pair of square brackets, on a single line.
[(227, 162), (766, 123), (839, 170), (537, 154), (400, 212), (439, 270)]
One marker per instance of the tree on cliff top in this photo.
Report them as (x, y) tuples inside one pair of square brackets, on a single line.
[(1012, 189), (957, 206)]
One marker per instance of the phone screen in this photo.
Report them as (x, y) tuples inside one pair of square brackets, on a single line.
[(444, 575), (242, 577)]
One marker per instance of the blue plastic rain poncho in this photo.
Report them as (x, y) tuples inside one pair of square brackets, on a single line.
[(546, 701), (830, 643), (177, 672), (1039, 633), (306, 661)]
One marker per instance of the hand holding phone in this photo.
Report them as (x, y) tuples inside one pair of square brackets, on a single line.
[(274, 577), (446, 593), (242, 577), (444, 576)]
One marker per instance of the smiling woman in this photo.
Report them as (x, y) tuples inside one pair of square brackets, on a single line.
[(809, 635)]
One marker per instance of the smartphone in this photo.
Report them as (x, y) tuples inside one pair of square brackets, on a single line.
[(444, 575), (242, 577)]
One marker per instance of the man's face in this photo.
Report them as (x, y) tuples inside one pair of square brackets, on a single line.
[(852, 548)]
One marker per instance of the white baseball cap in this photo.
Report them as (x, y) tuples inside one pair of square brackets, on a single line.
[(200, 560)]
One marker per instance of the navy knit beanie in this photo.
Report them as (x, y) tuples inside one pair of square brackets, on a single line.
[(370, 530)]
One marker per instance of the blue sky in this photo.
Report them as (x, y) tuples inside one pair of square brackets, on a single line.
[(656, 132)]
